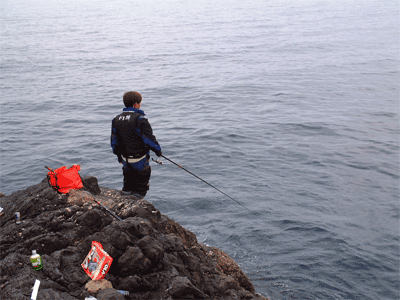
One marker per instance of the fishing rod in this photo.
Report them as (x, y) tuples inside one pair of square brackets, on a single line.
[(107, 209), (159, 162)]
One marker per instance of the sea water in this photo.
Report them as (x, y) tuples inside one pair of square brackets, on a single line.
[(289, 107)]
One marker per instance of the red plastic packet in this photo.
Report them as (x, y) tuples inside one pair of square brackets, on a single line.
[(97, 262)]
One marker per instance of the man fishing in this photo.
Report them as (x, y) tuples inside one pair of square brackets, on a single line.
[(131, 140)]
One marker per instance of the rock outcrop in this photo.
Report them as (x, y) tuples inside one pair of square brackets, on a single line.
[(153, 256)]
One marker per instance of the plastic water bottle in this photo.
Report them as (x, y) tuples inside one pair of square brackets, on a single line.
[(36, 260), (125, 293)]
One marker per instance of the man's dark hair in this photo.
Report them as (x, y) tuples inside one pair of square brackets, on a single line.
[(130, 98)]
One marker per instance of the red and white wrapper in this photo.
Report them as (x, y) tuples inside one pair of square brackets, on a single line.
[(101, 258)]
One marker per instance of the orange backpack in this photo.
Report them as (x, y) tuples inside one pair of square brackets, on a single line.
[(63, 179)]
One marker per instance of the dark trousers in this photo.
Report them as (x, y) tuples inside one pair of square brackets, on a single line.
[(136, 181)]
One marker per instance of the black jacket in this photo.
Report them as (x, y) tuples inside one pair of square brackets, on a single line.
[(132, 135)]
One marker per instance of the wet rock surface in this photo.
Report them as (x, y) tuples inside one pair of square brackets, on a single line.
[(153, 256)]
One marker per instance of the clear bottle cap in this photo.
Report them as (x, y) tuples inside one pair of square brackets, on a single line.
[(34, 252)]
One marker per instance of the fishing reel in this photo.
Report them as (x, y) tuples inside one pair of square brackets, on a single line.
[(157, 160)]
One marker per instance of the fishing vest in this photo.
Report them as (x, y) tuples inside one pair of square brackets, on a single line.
[(127, 128)]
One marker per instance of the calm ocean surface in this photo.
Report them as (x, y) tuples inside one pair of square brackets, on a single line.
[(291, 107)]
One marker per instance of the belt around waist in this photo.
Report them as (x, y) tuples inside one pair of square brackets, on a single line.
[(133, 160)]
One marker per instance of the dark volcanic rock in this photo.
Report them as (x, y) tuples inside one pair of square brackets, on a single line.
[(152, 249), (153, 256), (110, 294), (90, 184), (133, 261), (181, 287), (49, 294)]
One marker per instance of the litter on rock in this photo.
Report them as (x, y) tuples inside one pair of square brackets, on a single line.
[(125, 293), (97, 262), (36, 260), (35, 290), (18, 217)]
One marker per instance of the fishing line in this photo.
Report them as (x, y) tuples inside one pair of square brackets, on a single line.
[(204, 181)]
